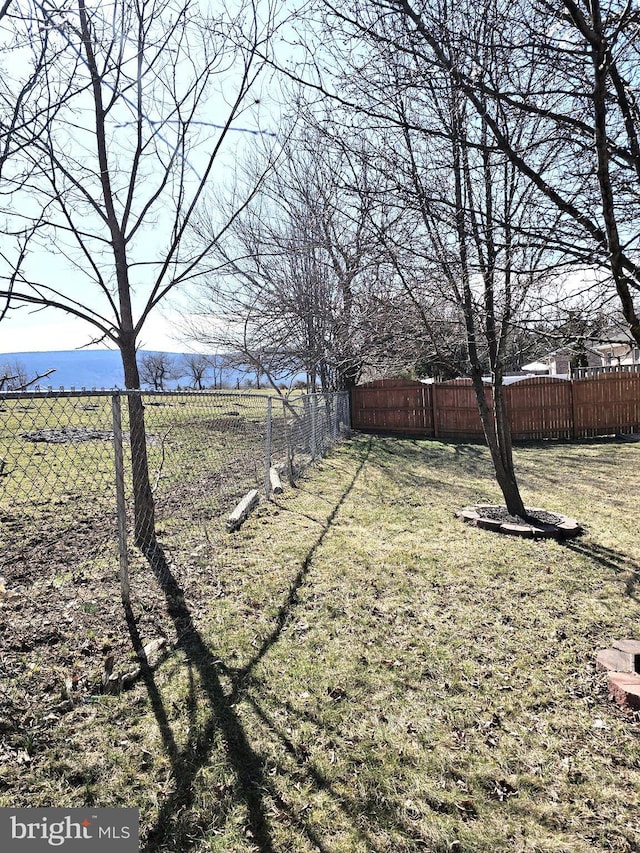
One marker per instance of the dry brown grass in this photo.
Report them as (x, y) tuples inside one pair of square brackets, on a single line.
[(375, 676)]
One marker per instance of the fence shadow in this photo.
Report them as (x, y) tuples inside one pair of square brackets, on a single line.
[(619, 563), (254, 786)]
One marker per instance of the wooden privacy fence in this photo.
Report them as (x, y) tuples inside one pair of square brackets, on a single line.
[(539, 407)]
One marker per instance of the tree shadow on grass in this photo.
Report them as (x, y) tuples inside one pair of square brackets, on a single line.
[(292, 598), (620, 564), (253, 785), (398, 460), (402, 457), (354, 808), (223, 719)]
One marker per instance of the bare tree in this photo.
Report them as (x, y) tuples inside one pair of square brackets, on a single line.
[(196, 367), (467, 232), (298, 285), (158, 368), (570, 65), (157, 91), (14, 376), (468, 212)]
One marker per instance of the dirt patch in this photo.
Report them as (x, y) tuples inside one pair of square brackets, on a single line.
[(65, 435), (74, 435), (62, 623)]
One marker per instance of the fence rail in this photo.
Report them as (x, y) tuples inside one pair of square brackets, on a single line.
[(539, 407), (582, 372)]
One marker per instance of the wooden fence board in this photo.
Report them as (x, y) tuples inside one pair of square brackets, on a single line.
[(606, 403), (540, 407), (455, 410), (393, 408)]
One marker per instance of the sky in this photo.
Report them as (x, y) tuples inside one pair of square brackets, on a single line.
[(51, 331), (55, 264)]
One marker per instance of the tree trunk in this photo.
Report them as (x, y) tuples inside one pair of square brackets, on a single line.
[(497, 430), (602, 59), (348, 376), (509, 484), (144, 508)]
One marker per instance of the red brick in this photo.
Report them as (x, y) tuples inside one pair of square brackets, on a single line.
[(614, 660), (467, 514), (517, 530), (631, 647), (568, 525), (489, 523), (625, 689)]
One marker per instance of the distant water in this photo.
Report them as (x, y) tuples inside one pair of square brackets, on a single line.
[(101, 369)]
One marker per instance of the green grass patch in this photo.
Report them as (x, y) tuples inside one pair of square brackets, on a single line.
[(373, 675)]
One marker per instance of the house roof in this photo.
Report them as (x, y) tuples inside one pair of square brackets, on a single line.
[(535, 366)]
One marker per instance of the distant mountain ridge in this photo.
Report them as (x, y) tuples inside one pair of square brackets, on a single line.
[(92, 369)]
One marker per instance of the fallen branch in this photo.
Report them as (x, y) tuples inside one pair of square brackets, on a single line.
[(240, 513)]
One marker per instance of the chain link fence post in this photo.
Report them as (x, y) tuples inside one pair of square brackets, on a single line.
[(332, 408), (327, 433), (289, 444), (267, 453), (305, 424), (121, 503), (313, 414)]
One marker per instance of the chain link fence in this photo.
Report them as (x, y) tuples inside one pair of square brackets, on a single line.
[(83, 477), (84, 474)]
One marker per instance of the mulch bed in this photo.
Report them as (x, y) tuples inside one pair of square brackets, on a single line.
[(538, 524)]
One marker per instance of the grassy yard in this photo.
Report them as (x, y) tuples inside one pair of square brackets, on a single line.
[(372, 675)]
